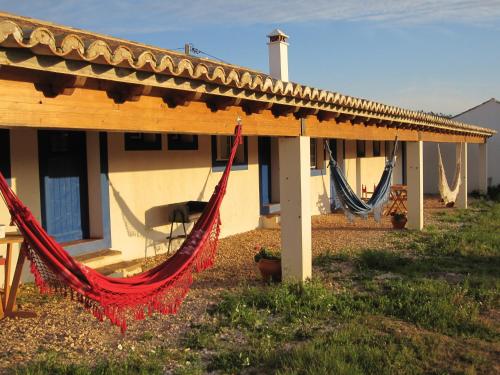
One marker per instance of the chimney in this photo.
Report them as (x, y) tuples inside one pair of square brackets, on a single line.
[(278, 55)]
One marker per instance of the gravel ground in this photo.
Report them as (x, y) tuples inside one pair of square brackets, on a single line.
[(67, 329)]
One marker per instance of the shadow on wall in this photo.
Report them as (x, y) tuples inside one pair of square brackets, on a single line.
[(154, 217), (134, 226), (323, 202)]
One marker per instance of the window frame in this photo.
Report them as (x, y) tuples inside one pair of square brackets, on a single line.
[(220, 165), (131, 144), (178, 145)]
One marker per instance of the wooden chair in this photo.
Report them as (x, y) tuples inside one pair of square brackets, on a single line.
[(365, 194), (398, 200)]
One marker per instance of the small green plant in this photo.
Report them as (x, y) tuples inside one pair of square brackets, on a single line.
[(266, 253)]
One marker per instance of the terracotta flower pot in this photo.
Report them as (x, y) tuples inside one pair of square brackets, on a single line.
[(270, 269), (398, 223)]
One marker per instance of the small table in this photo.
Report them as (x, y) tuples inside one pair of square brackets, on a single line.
[(398, 197), (8, 306)]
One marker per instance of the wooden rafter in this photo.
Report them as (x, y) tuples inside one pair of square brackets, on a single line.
[(121, 93), (221, 103), (284, 110), (306, 112), (326, 115), (174, 98), (254, 107), (59, 84)]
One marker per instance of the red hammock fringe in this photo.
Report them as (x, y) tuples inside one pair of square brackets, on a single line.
[(159, 290)]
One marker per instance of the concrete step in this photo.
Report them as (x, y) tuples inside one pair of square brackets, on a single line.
[(122, 269), (99, 258), (271, 221)]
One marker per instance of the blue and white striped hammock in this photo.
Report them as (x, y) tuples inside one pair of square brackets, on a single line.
[(350, 203)]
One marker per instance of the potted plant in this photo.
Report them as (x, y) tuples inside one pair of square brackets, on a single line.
[(269, 263), (398, 220)]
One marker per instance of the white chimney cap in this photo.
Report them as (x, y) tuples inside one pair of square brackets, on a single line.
[(277, 32)]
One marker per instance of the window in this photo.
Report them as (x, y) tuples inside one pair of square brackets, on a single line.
[(376, 148), (221, 149), (182, 142), (361, 149), (142, 141), (318, 166), (314, 154), (5, 153)]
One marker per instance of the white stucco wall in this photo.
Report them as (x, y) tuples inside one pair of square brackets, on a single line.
[(142, 180)]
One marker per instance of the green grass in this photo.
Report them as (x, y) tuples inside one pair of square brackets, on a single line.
[(439, 285), (52, 364), (426, 304)]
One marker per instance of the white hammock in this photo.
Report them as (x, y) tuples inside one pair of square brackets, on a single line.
[(449, 195)]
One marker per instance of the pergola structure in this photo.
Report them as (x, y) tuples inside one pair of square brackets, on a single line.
[(57, 77)]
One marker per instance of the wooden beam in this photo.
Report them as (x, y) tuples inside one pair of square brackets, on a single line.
[(346, 130), (455, 138), (22, 106)]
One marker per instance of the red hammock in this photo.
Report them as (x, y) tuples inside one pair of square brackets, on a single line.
[(161, 289)]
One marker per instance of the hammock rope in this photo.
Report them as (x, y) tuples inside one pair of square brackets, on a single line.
[(449, 194), (158, 290), (350, 203)]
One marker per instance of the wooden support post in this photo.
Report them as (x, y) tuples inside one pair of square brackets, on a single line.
[(415, 179), (462, 192), (295, 199), (483, 168)]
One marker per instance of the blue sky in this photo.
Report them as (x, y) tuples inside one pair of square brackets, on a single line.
[(435, 55)]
